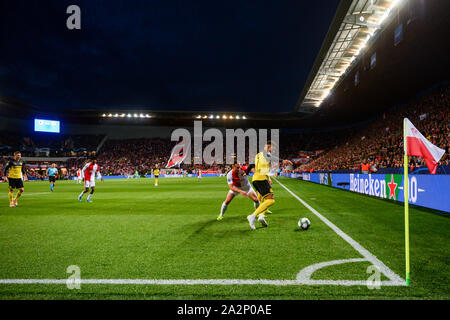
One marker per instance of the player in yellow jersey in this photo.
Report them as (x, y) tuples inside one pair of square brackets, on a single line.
[(15, 173), (262, 183), (156, 174)]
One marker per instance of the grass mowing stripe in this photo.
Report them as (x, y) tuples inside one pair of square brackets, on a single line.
[(366, 254)]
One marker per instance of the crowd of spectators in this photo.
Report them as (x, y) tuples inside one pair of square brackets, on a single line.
[(380, 143), (123, 157)]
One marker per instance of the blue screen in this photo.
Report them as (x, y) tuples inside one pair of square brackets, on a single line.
[(46, 125), (398, 34)]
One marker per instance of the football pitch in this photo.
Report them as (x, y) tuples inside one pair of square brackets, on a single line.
[(138, 241)]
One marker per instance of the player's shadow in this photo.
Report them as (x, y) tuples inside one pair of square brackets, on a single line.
[(203, 226), (239, 219), (208, 231)]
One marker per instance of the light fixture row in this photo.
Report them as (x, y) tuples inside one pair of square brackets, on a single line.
[(326, 92), (126, 115), (224, 116)]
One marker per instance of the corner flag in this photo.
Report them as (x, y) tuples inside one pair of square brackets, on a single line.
[(415, 144), (419, 146), (179, 153)]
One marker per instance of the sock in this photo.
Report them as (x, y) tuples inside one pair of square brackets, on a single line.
[(11, 196), (156, 180), (18, 194), (81, 194), (259, 197), (51, 186), (256, 204), (261, 200), (263, 206), (223, 209), (89, 196)]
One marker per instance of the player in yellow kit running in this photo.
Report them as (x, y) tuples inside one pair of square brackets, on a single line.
[(156, 174), (15, 173), (262, 183)]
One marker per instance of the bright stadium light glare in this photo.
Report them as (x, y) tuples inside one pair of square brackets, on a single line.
[(224, 117), (217, 117), (148, 116), (336, 67), (135, 115), (116, 115), (244, 117), (237, 117), (122, 115), (395, 3), (385, 15), (104, 115), (204, 117), (231, 117), (199, 117), (211, 116), (110, 115)]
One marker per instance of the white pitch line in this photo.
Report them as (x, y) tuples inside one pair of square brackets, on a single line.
[(364, 252), (196, 282), (305, 274)]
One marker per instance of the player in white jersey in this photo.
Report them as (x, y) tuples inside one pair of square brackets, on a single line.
[(79, 178), (90, 171), (238, 183)]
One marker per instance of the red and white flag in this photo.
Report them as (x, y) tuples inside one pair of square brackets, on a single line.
[(179, 153), (418, 146)]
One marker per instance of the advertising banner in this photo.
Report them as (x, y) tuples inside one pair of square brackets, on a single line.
[(429, 191)]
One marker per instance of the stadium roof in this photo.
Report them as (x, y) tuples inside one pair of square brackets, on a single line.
[(354, 28)]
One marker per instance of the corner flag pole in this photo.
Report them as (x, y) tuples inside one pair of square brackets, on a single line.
[(406, 199)]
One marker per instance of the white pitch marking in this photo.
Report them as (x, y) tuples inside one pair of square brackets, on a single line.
[(366, 254), (198, 282), (305, 274)]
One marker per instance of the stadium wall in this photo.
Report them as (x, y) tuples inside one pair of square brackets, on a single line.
[(425, 190)]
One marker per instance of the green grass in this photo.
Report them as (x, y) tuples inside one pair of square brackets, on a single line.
[(134, 230)]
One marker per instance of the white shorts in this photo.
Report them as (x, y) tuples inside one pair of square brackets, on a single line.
[(89, 183), (247, 189)]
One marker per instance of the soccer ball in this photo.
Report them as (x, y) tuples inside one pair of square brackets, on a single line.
[(304, 223)]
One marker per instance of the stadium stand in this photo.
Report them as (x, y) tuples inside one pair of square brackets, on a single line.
[(381, 142), (378, 142)]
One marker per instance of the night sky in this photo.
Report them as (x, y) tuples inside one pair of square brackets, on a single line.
[(161, 55)]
